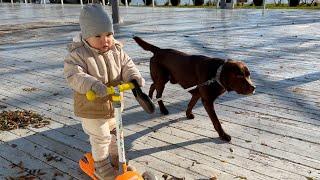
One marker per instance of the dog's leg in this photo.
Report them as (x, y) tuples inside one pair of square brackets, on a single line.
[(160, 77), (151, 90), (160, 88), (193, 101), (208, 105)]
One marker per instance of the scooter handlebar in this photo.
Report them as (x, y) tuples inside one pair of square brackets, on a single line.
[(91, 95)]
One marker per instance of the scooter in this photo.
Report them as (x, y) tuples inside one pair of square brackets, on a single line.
[(86, 163)]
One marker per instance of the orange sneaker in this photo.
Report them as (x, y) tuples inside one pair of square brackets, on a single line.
[(104, 170)]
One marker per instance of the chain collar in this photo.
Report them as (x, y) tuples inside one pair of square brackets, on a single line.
[(218, 75), (216, 78)]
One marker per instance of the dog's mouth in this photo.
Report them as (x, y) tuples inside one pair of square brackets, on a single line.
[(247, 92), (251, 93)]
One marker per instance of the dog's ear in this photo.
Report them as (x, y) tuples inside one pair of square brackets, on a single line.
[(231, 70)]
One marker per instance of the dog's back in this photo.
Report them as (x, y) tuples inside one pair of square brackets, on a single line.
[(179, 65)]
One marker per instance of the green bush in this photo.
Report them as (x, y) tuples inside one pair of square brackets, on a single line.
[(124, 2), (175, 2), (198, 2)]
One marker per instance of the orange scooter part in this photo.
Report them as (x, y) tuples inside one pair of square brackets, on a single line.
[(129, 175), (86, 164)]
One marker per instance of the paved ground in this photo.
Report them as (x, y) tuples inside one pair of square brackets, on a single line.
[(275, 132)]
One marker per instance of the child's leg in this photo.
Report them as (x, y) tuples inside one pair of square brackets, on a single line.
[(99, 136), (100, 139), (113, 148)]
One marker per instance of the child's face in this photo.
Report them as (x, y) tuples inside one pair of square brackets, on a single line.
[(103, 42)]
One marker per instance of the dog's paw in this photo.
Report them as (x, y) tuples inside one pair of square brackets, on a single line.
[(164, 111), (190, 116), (225, 137)]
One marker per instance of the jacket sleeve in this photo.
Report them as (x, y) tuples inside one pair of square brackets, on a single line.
[(75, 71), (129, 70)]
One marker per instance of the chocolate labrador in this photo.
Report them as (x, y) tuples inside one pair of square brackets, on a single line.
[(211, 77)]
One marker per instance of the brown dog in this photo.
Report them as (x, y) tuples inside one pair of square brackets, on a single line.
[(195, 70)]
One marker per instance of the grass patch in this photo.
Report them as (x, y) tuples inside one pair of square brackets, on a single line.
[(277, 6)]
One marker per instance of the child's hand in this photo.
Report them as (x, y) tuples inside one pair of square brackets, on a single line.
[(100, 89)]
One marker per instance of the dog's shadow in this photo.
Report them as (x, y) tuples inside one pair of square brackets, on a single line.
[(129, 140), (133, 154)]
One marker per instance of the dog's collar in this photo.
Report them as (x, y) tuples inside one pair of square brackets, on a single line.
[(218, 75), (210, 81)]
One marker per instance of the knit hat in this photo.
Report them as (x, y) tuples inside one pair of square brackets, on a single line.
[(94, 21)]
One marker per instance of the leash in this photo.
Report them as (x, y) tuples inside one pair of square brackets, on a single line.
[(216, 78)]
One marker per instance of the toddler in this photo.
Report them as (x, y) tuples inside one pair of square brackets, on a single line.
[(96, 60)]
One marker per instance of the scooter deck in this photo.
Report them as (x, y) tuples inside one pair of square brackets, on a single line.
[(86, 164)]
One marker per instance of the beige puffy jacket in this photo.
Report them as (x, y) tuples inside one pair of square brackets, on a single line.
[(84, 66)]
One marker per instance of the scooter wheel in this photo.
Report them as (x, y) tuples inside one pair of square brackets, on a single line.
[(149, 176)]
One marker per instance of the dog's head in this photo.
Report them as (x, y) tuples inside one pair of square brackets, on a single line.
[(235, 76)]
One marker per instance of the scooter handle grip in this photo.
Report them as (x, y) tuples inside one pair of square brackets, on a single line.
[(125, 87), (91, 95)]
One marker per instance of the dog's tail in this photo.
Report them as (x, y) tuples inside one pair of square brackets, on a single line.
[(146, 46)]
